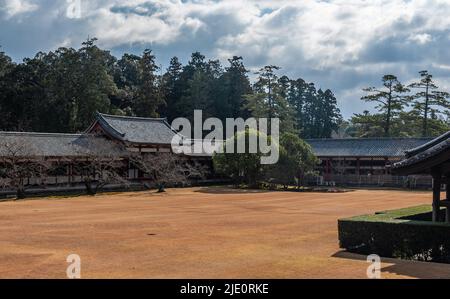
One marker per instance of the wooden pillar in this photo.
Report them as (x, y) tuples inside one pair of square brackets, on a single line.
[(343, 168), (330, 168), (447, 198), (371, 165), (71, 179), (386, 162), (327, 169), (358, 166), (436, 195)]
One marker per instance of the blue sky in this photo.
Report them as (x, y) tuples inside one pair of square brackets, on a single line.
[(343, 45)]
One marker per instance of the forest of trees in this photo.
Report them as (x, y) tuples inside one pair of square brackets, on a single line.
[(61, 90)]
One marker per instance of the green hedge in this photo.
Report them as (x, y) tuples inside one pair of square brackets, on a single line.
[(394, 234)]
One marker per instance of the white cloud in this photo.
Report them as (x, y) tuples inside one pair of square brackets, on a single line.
[(421, 38), (341, 44), (17, 7), (322, 33)]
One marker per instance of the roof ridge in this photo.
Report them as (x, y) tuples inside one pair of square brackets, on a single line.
[(101, 119), (134, 117), (428, 145), (41, 134), (370, 138)]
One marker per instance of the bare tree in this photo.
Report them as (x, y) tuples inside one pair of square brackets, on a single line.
[(20, 161), (99, 162), (168, 168)]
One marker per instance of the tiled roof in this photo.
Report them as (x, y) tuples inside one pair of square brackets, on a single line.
[(419, 158), (364, 147), (428, 145), (45, 144), (137, 129)]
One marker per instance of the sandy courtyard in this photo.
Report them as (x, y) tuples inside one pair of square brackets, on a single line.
[(196, 233)]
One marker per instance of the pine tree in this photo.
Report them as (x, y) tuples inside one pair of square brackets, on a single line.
[(390, 100), (429, 99)]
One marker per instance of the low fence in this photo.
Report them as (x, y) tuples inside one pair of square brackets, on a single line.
[(59, 186), (413, 182)]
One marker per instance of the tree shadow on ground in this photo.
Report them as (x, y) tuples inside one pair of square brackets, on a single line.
[(229, 190), (416, 269)]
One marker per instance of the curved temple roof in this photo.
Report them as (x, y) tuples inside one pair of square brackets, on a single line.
[(137, 129), (46, 144), (428, 145), (423, 158)]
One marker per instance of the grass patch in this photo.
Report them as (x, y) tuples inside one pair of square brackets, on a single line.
[(291, 188), (409, 215), (402, 233)]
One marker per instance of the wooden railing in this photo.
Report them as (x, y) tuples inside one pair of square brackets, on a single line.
[(372, 180)]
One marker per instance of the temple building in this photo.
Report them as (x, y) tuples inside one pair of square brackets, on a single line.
[(350, 162), (365, 161), (433, 159), (134, 134)]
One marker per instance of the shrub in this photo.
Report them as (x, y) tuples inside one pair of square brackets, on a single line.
[(391, 234), (296, 160), (241, 167)]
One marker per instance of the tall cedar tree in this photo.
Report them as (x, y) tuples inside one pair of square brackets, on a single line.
[(172, 88), (266, 83), (267, 100), (234, 84), (6, 66), (126, 77), (329, 115), (22, 93), (96, 84), (5, 63), (297, 99), (149, 94), (316, 113), (193, 86), (199, 83)]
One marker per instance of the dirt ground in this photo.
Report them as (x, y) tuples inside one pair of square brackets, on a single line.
[(196, 233)]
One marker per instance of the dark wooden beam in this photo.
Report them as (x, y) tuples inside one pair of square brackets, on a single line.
[(447, 197), (445, 168), (425, 166), (358, 166), (437, 179), (386, 163)]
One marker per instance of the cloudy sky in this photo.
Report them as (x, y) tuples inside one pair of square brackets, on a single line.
[(343, 45)]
